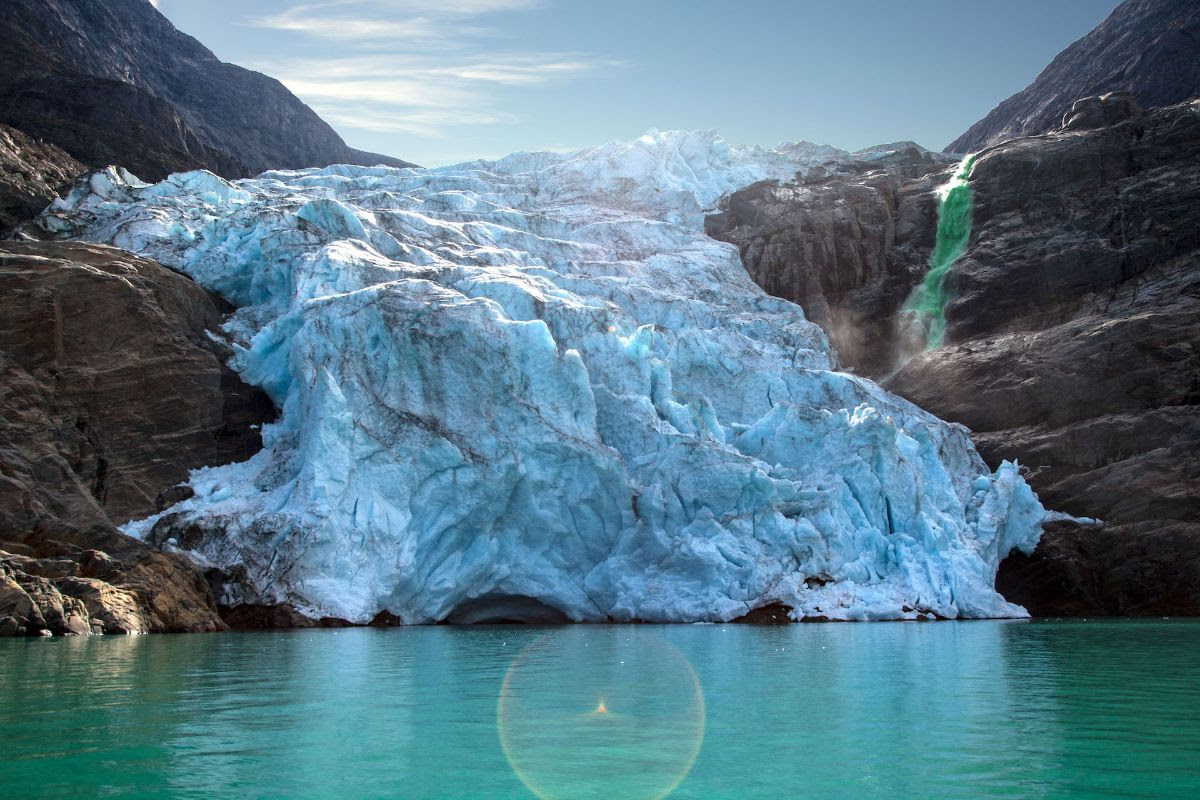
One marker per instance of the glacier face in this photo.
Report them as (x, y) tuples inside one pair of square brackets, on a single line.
[(536, 383)]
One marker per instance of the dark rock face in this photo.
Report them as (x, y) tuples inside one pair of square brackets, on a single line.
[(112, 379), (252, 617), (31, 173), (115, 83), (847, 244), (110, 391), (1148, 48), (1072, 332), (773, 614), (102, 122), (1125, 569), (1074, 347)]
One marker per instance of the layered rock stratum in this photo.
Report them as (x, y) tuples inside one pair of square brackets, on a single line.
[(1149, 49), (114, 82), (112, 386)]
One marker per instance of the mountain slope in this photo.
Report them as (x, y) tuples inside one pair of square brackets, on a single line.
[(1150, 48), (115, 82)]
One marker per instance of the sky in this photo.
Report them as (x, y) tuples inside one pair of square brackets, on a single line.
[(442, 81)]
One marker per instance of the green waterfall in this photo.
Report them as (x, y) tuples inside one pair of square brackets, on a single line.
[(927, 302)]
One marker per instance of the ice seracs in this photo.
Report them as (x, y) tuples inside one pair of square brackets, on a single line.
[(533, 387)]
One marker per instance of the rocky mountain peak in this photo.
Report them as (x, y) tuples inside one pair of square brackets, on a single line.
[(116, 83), (1149, 49)]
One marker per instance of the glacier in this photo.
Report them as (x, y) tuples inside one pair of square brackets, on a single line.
[(533, 388)]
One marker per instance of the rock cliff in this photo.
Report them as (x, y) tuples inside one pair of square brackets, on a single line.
[(1074, 348), (1071, 332), (111, 389), (846, 242)]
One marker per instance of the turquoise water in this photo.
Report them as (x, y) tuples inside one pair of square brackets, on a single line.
[(885, 710)]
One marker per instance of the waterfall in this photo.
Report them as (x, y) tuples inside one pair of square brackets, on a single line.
[(927, 302)]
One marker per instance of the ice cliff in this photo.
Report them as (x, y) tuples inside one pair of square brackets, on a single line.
[(534, 383)]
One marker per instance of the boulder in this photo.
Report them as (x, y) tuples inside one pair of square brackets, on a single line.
[(118, 610), (19, 614), (1099, 112), (75, 590), (31, 603)]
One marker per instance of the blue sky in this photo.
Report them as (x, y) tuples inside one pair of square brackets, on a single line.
[(439, 81)]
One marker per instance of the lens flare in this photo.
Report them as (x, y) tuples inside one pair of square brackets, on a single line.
[(615, 715)]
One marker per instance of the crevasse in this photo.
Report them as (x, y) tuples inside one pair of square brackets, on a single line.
[(535, 384)]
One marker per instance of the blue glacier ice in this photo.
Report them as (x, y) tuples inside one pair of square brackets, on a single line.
[(535, 380)]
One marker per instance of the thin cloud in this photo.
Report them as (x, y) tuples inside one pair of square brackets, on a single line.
[(411, 95), (511, 69), (351, 29), (454, 8), (415, 21), (428, 123), (417, 67)]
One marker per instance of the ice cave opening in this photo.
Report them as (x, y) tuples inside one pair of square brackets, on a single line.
[(505, 609)]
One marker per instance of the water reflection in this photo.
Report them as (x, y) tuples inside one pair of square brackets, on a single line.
[(940, 710), (861, 711), (1113, 707)]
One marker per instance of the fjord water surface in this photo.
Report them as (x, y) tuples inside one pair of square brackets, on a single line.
[(890, 710)]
